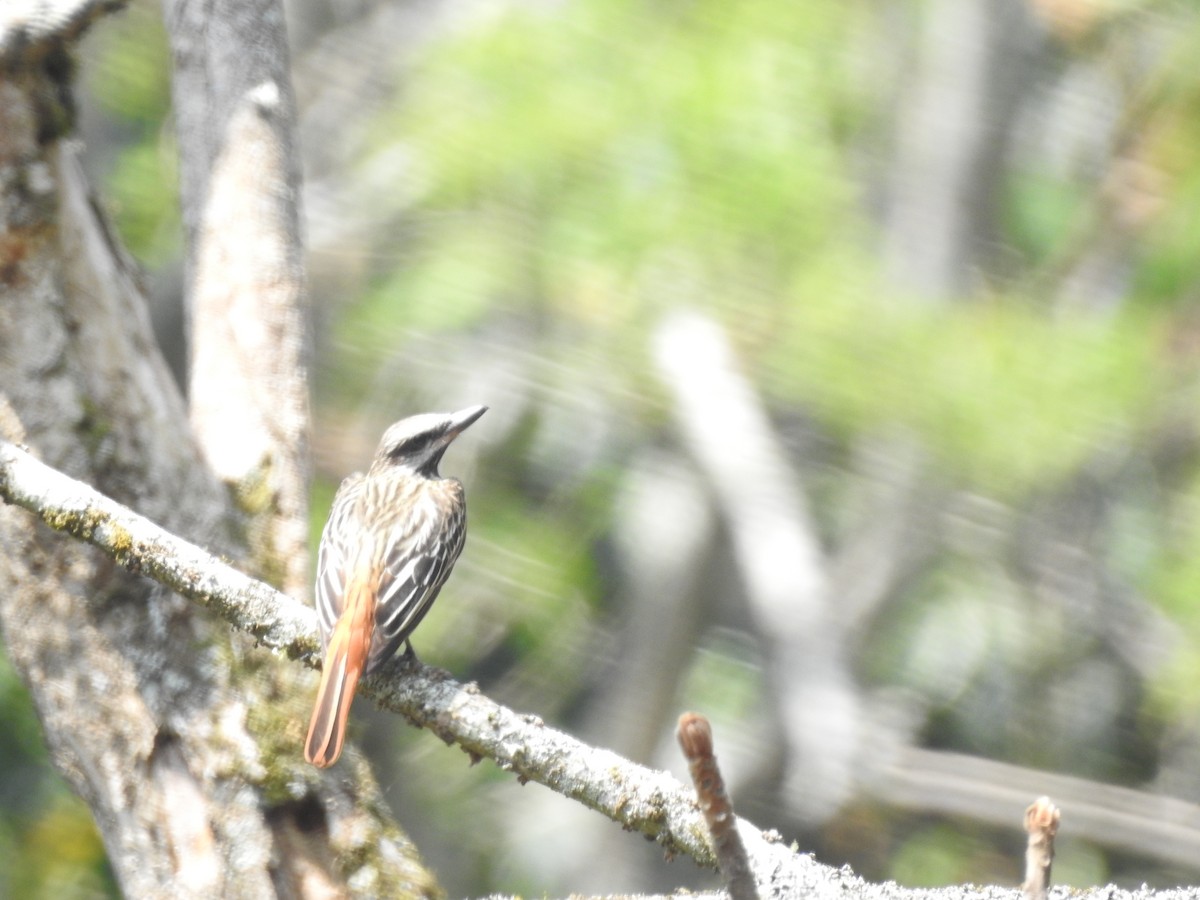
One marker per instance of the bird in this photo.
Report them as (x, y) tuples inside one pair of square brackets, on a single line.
[(392, 538)]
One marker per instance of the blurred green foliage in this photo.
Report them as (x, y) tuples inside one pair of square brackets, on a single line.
[(937, 855), (1009, 400), (572, 172), (127, 75), (48, 841)]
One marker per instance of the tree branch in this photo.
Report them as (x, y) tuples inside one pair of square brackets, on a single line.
[(986, 790), (816, 703), (640, 799), (67, 505)]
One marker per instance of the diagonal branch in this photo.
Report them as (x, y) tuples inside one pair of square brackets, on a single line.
[(274, 619), (726, 428), (640, 799)]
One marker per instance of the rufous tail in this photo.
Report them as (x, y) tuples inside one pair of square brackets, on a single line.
[(345, 661)]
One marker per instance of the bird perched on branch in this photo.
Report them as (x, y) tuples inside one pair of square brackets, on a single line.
[(392, 538)]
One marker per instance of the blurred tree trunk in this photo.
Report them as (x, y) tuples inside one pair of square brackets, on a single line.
[(973, 70), (182, 739)]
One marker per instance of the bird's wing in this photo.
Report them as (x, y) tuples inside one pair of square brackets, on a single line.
[(336, 553), (426, 543)]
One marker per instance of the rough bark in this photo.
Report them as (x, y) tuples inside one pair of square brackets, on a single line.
[(178, 738)]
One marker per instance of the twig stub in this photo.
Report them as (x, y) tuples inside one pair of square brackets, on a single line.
[(1041, 821), (695, 737)]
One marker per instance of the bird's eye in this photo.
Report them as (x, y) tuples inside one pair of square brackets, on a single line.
[(410, 446)]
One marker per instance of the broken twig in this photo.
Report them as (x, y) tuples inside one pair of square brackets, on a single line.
[(695, 737)]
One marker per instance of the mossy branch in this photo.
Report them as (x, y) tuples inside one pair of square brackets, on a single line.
[(640, 799)]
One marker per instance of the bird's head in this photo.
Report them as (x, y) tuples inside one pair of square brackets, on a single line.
[(418, 442)]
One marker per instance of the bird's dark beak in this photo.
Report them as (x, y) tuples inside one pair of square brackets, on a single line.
[(461, 420)]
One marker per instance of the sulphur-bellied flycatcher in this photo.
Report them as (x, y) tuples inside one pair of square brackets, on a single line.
[(389, 545)]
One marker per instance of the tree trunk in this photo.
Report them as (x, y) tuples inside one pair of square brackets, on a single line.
[(240, 192), (183, 739)]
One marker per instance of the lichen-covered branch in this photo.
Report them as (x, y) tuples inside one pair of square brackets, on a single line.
[(139, 545), (640, 799)]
